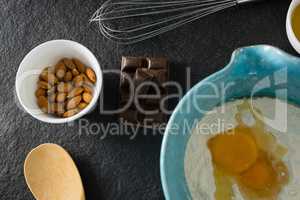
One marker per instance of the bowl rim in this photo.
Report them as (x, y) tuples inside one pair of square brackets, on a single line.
[(98, 86), (216, 74), (294, 41)]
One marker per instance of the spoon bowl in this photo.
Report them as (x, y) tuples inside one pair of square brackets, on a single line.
[(51, 173)]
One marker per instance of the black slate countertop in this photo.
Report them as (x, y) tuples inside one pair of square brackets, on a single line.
[(116, 166)]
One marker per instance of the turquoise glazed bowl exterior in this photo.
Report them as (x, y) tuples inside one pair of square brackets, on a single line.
[(260, 70)]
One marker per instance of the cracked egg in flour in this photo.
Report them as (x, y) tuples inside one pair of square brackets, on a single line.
[(247, 158)]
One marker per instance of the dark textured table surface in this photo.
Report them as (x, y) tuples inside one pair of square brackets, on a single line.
[(112, 167)]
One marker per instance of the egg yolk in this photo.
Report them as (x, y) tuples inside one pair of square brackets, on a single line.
[(249, 157), (260, 176), (228, 151)]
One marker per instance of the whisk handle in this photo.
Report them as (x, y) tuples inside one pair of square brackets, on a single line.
[(246, 1)]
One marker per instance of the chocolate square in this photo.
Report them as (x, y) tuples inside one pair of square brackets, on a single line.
[(130, 64), (149, 75), (157, 63)]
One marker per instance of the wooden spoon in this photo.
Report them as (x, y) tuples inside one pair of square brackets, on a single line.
[(51, 174)]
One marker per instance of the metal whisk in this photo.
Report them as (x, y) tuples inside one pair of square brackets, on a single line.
[(131, 21)]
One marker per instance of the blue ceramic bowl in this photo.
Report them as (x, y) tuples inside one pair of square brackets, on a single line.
[(266, 70)]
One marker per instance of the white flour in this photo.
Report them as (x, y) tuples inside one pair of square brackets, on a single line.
[(198, 166)]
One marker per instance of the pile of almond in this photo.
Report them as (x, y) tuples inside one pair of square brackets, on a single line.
[(66, 88)]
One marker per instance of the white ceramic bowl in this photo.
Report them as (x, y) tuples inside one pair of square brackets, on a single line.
[(47, 54), (289, 29)]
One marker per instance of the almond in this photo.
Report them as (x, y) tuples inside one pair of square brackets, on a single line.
[(70, 113), (68, 76), (78, 81), (43, 103), (75, 72), (61, 97), (69, 63), (40, 92), (59, 109), (48, 77), (64, 87), (43, 75), (87, 97), (91, 74), (88, 89), (60, 65), (49, 69), (82, 105), (87, 80), (44, 85), (52, 97), (75, 92), (60, 70), (73, 103), (80, 66), (51, 108), (60, 74), (51, 90)]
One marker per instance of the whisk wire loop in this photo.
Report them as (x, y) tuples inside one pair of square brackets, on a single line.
[(132, 21)]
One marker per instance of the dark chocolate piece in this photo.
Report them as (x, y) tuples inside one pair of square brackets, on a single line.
[(125, 80), (160, 75), (148, 76), (142, 76), (157, 63), (130, 116), (130, 64)]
